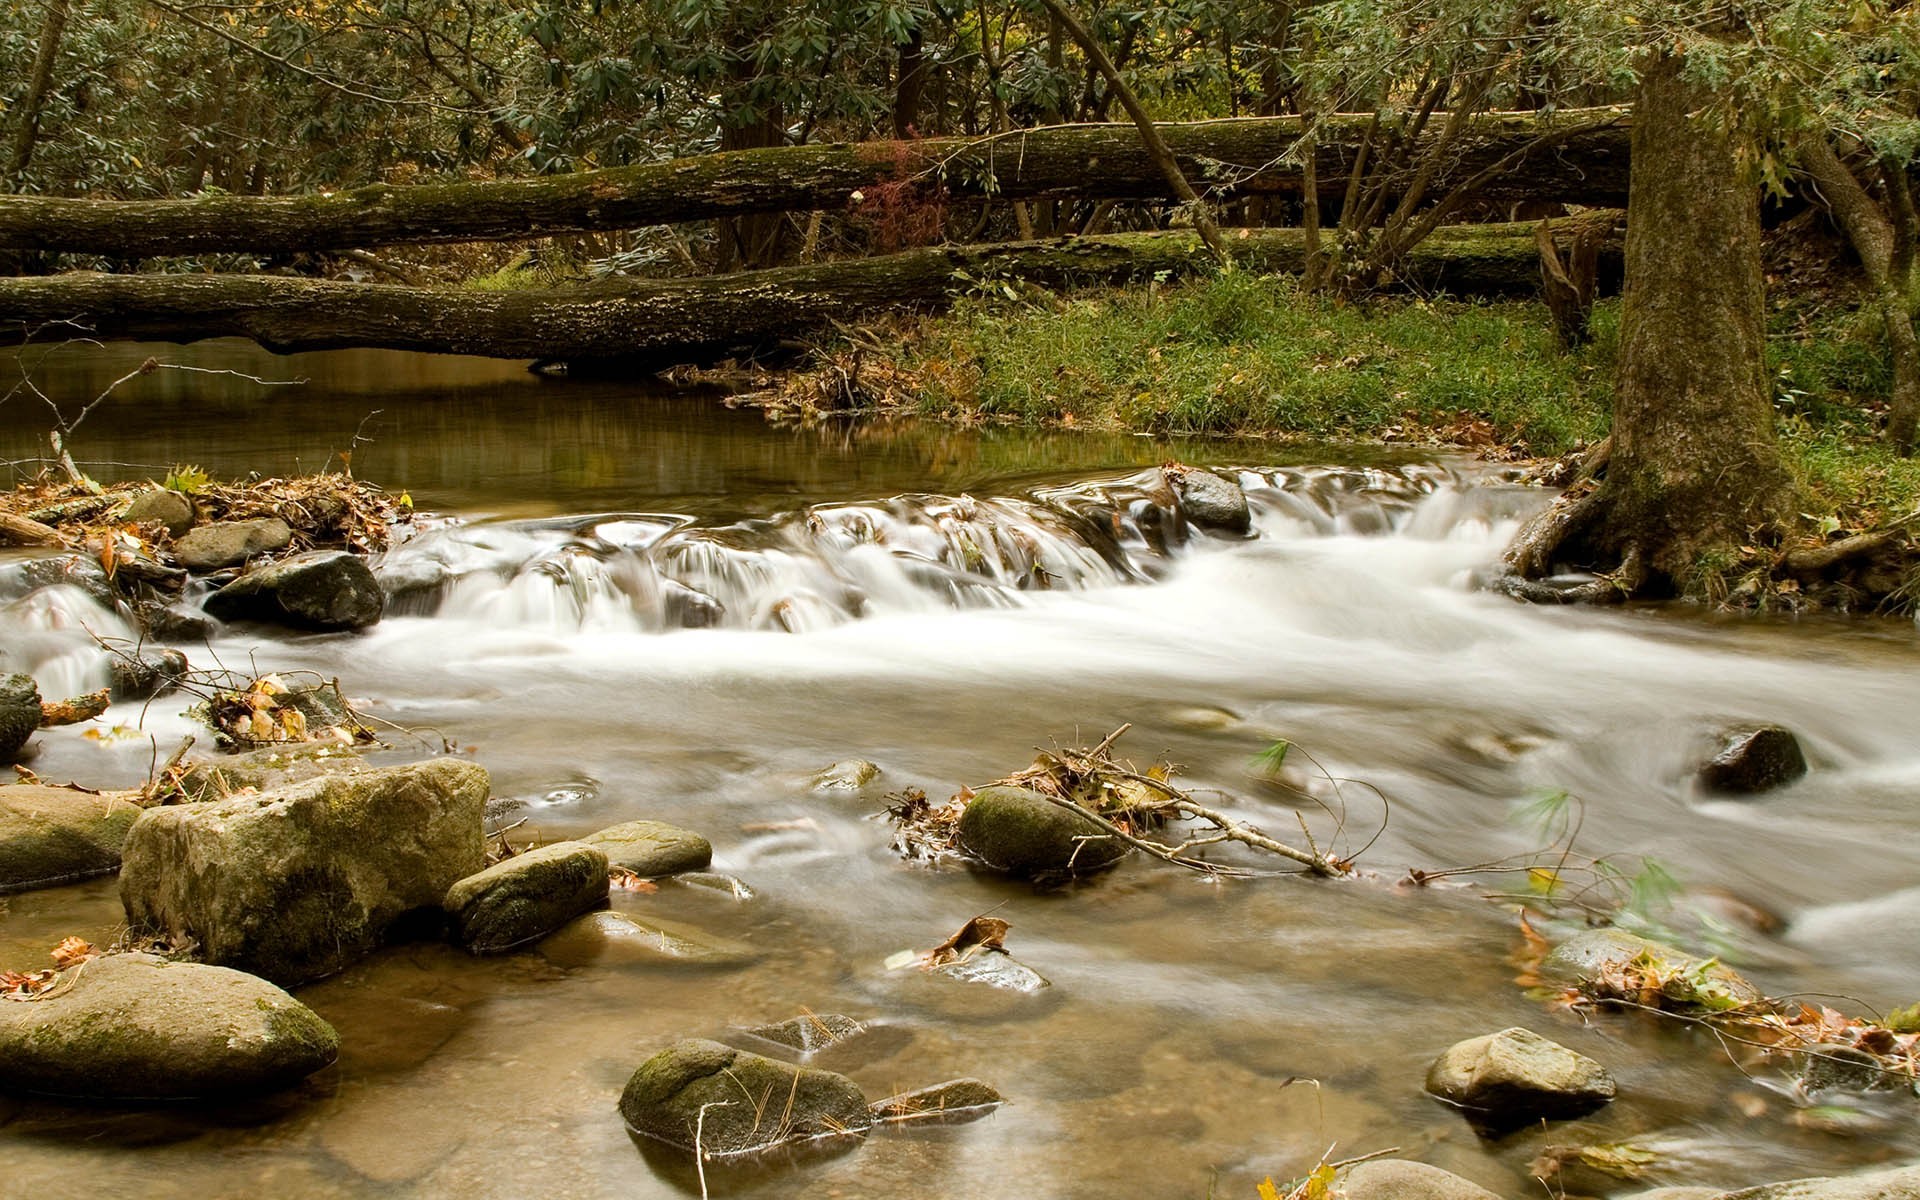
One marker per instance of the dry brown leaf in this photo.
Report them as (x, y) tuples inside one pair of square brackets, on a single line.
[(981, 933), (628, 881), (72, 950)]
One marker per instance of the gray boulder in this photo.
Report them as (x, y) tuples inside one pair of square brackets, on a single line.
[(1843, 1068), (222, 544), (652, 848), (137, 1027), (52, 835), (1210, 501), (296, 883), (526, 896), (1402, 1179), (327, 590), (161, 506), (19, 714), (267, 768), (1515, 1077), (1901, 1183), (750, 1103), (1590, 959), (176, 622), (1021, 832), (1754, 760)]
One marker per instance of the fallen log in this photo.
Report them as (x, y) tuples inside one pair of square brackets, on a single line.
[(659, 323), (1096, 161)]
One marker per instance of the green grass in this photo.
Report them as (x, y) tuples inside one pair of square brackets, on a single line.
[(1241, 354)]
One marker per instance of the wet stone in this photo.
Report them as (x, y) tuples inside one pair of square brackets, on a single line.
[(1754, 760), (954, 1101), (848, 776), (230, 543), (811, 1032), (1211, 501), (325, 590), (1590, 958), (1021, 832), (1515, 1077), (617, 937), (52, 835), (138, 677), (527, 896), (1844, 1068), (995, 969), (19, 714), (160, 505), (1401, 1179), (652, 848), (706, 1097)]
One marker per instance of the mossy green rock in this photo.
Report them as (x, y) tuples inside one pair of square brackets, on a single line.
[(298, 882), (136, 1027), (1021, 832), (266, 769), (1515, 1077), (752, 1103), (652, 848), (527, 896), (1588, 959), (19, 714), (54, 835)]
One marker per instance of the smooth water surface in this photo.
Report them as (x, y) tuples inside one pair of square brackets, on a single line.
[(654, 606)]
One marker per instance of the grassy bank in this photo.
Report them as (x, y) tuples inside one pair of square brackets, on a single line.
[(1252, 356)]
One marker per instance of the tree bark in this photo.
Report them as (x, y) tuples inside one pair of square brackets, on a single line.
[(1105, 161), (1695, 470), (52, 28), (659, 323), (1872, 234)]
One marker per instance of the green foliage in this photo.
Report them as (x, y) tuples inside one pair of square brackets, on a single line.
[(1242, 353), (187, 480)]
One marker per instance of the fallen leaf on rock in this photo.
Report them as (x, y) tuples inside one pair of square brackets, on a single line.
[(981, 933), (628, 881), (72, 950)]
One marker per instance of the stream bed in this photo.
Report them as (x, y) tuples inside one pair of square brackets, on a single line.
[(646, 604)]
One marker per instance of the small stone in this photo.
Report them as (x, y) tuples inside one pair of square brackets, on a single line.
[(1210, 501), (527, 896), (996, 969), (1515, 1077), (848, 776), (168, 508), (955, 1101), (1401, 1179), (1755, 760), (177, 622), (652, 848), (137, 1027), (327, 590), (1021, 832), (811, 1033), (1589, 959), (224, 544), (19, 714), (1840, 1067), (718, 1101), (52, 835)]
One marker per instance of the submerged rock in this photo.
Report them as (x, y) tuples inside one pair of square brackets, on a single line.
[(652, 848), (52, 835), (1515, 1077), (1402, 1179), (222, 544), (298, 882), (1754, 760), (1211, 501), (849, 775), (1599, 960), (1021, 832), (708, 1098), (617, 937), (136, 1027), (527, 896), (1839, 1067), (996, 969), (326, 590), (810, 1033), (954, 1101), (19, 714), (165, 507)]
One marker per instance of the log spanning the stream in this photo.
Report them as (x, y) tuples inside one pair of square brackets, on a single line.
[(659, 323), (1577, 157)]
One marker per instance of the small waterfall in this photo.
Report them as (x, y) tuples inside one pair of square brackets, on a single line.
[(824, 565)]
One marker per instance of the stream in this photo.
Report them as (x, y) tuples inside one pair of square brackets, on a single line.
[(637, 603)]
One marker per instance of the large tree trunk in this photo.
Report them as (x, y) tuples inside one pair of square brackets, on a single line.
[(1694, 470), (659, 323), (1241, 157), (53, 27)]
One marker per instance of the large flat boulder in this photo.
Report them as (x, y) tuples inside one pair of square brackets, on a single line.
[(52, 835), (296, 883), (137, 1027), (652, 848)]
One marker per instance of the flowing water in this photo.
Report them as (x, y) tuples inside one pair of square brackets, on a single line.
[(648, 605)]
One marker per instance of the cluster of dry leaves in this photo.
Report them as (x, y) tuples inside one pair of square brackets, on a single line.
[(32, 985)]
